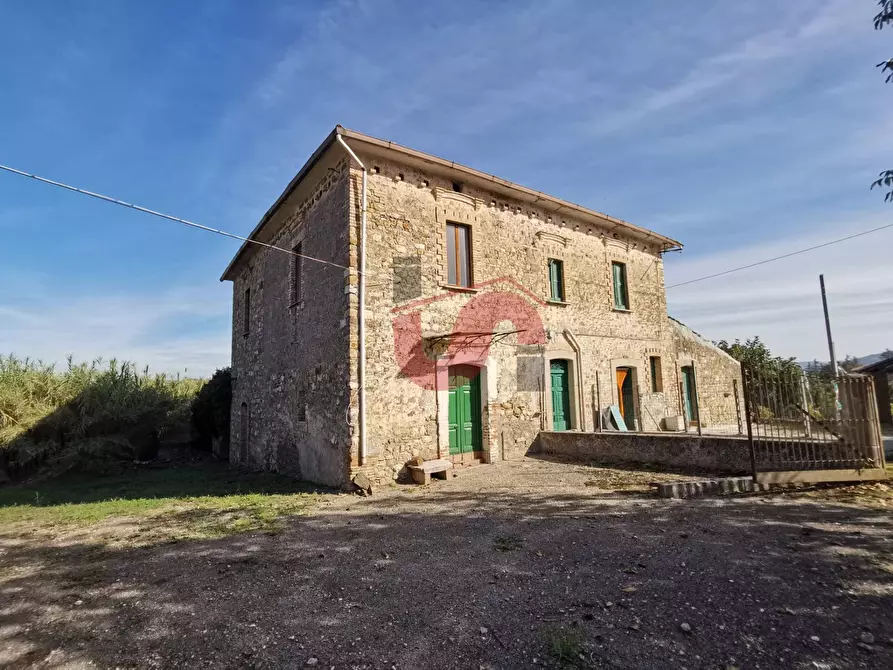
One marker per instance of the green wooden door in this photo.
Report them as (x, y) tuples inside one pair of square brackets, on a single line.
[(561, 396), (688, 393), (465, 409)]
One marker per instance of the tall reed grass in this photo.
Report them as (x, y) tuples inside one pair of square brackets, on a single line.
[(40, 403)]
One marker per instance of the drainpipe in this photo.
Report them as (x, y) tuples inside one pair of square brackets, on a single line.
[(361, 311), (579, 356)]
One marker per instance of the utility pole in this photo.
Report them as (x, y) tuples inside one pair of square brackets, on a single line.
[(828, 327)]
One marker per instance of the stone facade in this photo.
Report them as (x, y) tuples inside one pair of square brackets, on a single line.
[(715, 453), (290, 366), (417, 327)]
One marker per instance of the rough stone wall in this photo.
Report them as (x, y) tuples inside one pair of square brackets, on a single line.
[(511, 244), (710, 452), (292, 367), (718, 378)]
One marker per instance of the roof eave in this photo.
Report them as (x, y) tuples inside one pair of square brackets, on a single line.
[(314, 158), (538, 197), (557, 204)]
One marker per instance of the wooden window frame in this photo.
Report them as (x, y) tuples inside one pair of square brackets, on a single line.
[(457, 267), (625, 306), (562, 285), (655, 368)]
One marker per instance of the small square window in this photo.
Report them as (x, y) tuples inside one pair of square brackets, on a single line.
[(556, 280), (621, 289), (657, 375)]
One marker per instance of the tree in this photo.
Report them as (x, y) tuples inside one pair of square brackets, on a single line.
[(755, 355), (885, 18), (849, 363)]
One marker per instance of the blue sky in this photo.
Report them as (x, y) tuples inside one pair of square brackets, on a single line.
[(743, 129)]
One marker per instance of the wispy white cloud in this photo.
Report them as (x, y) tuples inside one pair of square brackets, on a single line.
[(781, 302), (183, 330), (748, 69)]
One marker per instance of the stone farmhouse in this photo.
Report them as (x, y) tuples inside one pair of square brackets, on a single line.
[(487, 312)]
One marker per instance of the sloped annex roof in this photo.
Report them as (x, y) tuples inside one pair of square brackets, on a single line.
[(883, 365), (368, 144)]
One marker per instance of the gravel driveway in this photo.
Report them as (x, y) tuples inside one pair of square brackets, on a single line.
[(519, 565)]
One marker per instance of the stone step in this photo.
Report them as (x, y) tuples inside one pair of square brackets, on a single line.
[(708, 487)]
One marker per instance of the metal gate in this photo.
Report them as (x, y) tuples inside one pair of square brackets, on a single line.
[(805, 427)]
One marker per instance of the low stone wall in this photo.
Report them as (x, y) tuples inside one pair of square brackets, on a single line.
[(710, 452)]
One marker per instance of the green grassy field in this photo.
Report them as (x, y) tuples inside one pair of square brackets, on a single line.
[(146, 506)]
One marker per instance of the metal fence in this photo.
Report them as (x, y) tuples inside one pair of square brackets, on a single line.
[(712, 405), (799, 421)]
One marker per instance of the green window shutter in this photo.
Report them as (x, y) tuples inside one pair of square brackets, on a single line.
[(556, 279), (621, 297)]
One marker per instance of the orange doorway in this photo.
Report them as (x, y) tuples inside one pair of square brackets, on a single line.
[(625, 401)]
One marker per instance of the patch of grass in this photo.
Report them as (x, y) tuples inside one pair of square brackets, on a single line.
[(508, 543), (566, 646), (200, 501)]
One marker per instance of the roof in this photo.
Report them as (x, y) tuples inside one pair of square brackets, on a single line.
[(362, 143), (883, 365), (690, 333)]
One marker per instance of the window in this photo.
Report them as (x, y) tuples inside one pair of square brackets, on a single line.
[(296, 266), (458, 254), (246, 313), (657, 375), (621, 290), (556, 280)]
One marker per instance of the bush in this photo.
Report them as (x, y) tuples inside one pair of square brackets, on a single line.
[(44, 411), (211, 411)]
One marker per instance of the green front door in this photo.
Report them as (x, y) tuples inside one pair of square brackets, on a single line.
[(688, 393), (465, 410), (561, 396)]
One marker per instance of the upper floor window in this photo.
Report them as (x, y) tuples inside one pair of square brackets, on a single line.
[(621, 289), (246, 313), (458, 254), (296, 266), (556, 280)]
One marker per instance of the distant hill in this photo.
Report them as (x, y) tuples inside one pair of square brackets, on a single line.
[(863, 360)]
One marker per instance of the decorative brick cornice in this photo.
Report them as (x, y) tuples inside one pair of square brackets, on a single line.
[(444, 194), (542, 235)]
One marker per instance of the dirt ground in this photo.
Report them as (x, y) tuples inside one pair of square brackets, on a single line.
[(518, 565)]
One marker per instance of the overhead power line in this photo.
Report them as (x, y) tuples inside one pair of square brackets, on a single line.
[(146, 210), (778, 258), (291, 252)]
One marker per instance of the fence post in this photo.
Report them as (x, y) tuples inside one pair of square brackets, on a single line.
[(875, 418), (746, 390), (804, 392), (737, 405), (694, 383), (598, 402)]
